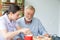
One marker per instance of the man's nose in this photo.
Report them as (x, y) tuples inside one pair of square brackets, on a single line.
[(30, 16)]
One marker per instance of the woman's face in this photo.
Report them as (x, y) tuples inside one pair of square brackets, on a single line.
[(16, 16)]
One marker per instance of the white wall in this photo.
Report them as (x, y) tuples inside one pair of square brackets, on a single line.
[(59, 18), (47, 12)]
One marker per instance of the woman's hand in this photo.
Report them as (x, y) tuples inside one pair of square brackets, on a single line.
[(26, 31)]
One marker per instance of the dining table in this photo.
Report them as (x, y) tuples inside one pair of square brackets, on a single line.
[(42, 38)]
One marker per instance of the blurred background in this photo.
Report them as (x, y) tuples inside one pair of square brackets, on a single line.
[(48, 11)]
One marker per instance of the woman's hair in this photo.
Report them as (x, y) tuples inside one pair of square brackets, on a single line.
[(12, 8)]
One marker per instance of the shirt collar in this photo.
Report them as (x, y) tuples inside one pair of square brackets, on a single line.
[(25, 21)]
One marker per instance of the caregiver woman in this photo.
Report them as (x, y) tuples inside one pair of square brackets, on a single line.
[(8, 26)]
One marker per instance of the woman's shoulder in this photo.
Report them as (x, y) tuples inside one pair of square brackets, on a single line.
[(2, 19)]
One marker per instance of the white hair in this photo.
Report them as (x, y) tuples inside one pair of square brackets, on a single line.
[(30, 7)]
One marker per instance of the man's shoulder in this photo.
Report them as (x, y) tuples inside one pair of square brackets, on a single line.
[(36, 19), (20, 19)]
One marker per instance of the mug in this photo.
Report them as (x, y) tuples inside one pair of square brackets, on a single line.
[(28, 37)]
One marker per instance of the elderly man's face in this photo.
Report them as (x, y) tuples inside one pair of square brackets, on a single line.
[(28, 14)]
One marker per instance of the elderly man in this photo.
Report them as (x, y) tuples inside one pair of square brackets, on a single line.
[(34, 24)]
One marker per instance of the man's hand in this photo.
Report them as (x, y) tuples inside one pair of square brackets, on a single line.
[(47, 35)]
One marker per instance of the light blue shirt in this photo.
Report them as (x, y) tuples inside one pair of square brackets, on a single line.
[(35, 26), (6, 24)]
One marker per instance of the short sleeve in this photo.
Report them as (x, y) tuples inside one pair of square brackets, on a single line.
[(2, 25)]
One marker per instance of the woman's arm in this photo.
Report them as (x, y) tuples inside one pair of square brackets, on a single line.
[(12, 34), (18, 27)]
